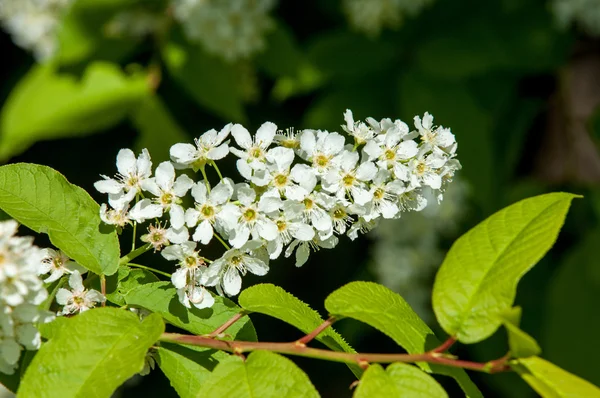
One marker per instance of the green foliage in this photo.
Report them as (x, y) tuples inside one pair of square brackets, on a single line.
[(381, 308), (521, 344), (158, 131), (274, 301), (262, 374), (478, 278), (550, 381), (43, 200), (572, 324), (398, 380), (125, 280), (187, 367), (91, 355), (210, 81), (161, 298), (66, 107)]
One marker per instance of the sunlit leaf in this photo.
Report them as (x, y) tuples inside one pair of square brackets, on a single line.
[(398, 380)]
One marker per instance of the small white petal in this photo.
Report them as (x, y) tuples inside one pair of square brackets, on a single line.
[(232, 282), (241, 136), (265, 134), (204, 232)]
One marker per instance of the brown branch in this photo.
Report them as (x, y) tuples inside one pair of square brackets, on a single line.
[(309, 337), (227, 324), (292, 348), (445, 345)]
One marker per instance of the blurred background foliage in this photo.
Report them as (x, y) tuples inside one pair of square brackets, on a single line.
[(518, 81)]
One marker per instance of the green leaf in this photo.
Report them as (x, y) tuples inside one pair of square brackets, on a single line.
[(126, 279), (187, 367), (158, 131), (550, 381), (46, 105), (91, 355), (398, 380), (381, 308), (478, 278), (572, 324), (264, 374), (521, 344), (272, 300), (161, 297), (43, 200), (210, 81)]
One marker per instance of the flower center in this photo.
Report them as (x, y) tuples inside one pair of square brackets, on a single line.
[(321, 160), (280, 180), (167, 198), (281, 225), (236, 261), (255, 153), (207, 211), (389, 154), (339, 213), (379, 194), (421, 168), (249, 215), (308, 203), (348, 180)]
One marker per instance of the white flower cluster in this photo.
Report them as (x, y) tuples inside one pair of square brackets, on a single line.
[(371, 17), (299, 192), (21, 293), (33, 23), (586, 13), (230, 29)]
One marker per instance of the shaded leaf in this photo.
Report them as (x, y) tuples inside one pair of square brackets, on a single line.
[(47, 105), (91, 355), (264, 374), (161, 298), (398, 380), (187, 367), (43, 200), (550, 381), (478, 278)]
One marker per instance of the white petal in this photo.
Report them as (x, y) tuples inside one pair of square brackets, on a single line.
[(349, 119), (373, 150), (177, 216), (241, 136), (63, 296), (308, 142), (76, 282), (179, 278), (199, 192), (242, 234), (222, 192), (218, 153), (204, 232), (126, 162), (11, 351), (165, 176), (305, 176), (178, 235), (388, 209), (232, 282), (173, 253), (302, 254), (245, 194), (151, 186), (295, 192), (361, 196), (334, 143), (244, 169), (144, 210), (265, 134), (282, 157), (433, 180), (256, 266), (269, 204), (267, 230), (366, 171), (274, 248), (302, 231), (202, 298), (407, 149), (183, 153), (143, 164), (223, 133), (108, 186), (182, 184)]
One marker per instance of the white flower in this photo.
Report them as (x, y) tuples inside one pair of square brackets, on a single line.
[(145, 210), (128, 182), (254, 151), (249, 218), (359, 130), (224, 273), (157, 236), (288, 139), (350, 179), (168, 191), (230, 29), (288, 228), (432, 136), (423, 170), (392, 153), (78, 299), (304, 247), (385, 195), (118, 217), (281, 180), (187, 278), (57, 263), (207, 210), (313, 210), (319, 148), (209, 146)]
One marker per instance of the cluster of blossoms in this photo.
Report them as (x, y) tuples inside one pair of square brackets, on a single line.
[(586, 13), (33, 24), (231, 29), (371, 17), (22, 291), (406, 253), (299, 192)]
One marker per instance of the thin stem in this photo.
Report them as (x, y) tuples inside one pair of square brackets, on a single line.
[(445, 345), (214, 164), (309, 337), (227, 324), (203, 171), (222, 241), (149, 269), (135, 253), (103, 288), (134, 236), (292, 348)]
